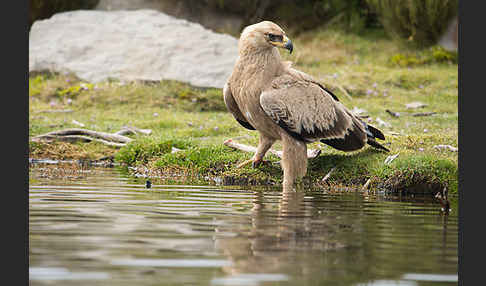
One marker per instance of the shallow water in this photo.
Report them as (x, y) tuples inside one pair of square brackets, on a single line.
[(105, 228)]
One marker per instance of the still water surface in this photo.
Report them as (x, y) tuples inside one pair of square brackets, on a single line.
[(109, 229)]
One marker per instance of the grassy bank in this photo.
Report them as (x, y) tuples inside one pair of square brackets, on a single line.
[(367, 72)]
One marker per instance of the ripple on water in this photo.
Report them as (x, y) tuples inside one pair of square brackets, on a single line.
[(105, 225)]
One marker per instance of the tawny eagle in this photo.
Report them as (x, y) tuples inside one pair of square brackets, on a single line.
[(266, 94)]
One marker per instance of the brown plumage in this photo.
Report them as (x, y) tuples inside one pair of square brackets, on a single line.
[(266, 94)]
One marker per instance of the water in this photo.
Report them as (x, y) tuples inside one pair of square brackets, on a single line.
[(105, 228)]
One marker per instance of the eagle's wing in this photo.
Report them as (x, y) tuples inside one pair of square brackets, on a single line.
[(234, 109), (309, 112)]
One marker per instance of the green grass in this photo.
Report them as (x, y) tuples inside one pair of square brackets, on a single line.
[(372, 69)]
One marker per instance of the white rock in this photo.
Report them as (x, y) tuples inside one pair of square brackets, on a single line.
[(131, 45)]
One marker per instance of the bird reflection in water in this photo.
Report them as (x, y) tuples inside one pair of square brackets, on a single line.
[(292, 230)]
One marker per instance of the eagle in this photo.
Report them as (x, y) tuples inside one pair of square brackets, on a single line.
[(266, 94)]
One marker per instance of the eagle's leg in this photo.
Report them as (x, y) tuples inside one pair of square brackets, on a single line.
[(264, 143), (294, 161)]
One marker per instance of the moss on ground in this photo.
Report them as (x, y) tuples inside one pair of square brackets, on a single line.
[(360, 70)]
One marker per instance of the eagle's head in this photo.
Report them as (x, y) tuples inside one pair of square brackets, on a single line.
[(264, 35)]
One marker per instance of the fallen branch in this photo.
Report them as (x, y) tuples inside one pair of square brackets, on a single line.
[(328, 174), (390, 158), (365, 186), (90, 133), (311, 153), (133, 130), (85, 135)]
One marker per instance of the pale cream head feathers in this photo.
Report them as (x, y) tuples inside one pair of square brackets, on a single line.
[(263, 35)]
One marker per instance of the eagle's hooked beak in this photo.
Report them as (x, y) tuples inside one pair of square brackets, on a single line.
[(288, 44), (285, 43)]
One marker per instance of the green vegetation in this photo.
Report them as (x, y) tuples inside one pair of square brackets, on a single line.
[(363, 71), (435, 54), (417, 21)]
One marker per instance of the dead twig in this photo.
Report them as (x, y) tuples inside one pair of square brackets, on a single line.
[(392, 113), (424, 113), (365, 186), (328, 174), (390, 158)]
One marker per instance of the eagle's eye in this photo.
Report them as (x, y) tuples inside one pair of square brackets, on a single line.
[(275, 38)]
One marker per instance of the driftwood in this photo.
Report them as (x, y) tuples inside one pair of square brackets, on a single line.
[(311, 153), (390, 158), (85, 135), (365, 186), (133, 130), (328, 174)]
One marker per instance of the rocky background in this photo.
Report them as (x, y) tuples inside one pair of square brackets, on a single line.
[(195, 41), (142, 45)]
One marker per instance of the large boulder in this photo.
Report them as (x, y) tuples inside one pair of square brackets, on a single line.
[(131, 45)]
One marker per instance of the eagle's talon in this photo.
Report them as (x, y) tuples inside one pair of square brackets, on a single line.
[(258, 163)]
